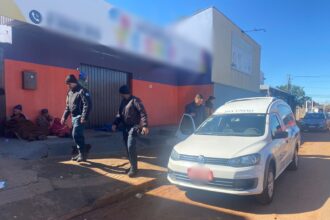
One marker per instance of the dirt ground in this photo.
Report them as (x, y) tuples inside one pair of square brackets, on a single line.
[(302, 194)]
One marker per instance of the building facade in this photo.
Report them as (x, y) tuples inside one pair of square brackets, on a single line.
[(212, 56), (235, 55), (164, 89)]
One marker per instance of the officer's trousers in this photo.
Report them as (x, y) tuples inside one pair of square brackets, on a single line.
[(129, 135), (78, 133)]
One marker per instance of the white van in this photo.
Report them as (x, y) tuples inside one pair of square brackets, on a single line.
[(241, 149)]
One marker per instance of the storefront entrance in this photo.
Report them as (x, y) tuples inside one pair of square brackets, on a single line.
[(103, 85)]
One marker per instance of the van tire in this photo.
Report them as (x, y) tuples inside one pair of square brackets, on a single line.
[(295, 160), (186, 189), (267, 195)]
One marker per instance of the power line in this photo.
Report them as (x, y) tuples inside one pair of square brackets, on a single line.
[(311, 76)]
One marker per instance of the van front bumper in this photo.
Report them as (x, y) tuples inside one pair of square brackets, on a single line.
[(229, 180)]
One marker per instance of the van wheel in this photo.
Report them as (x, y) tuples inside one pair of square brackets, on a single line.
[(295, 161), (266, 197)]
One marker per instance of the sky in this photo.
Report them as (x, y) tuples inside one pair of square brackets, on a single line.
[(296, 41)]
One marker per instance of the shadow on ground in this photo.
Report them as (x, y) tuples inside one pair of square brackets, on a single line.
[(152, 207), (72, 186), (316, 136)]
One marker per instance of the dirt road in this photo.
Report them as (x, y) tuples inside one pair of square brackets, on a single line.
[(302, 194)]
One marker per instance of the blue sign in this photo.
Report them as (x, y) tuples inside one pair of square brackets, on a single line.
[(35, 16)]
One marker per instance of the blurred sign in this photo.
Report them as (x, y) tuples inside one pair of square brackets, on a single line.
[(99, 22), (5, 34)]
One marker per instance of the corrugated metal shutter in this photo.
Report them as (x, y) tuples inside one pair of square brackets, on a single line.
[(103, 85), (5, 20)]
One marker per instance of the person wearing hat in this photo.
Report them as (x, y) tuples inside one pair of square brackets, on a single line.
[(18, 113), (134, 118), (78, 105)]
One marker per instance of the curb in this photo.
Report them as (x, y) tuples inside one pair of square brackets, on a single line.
[(111, 198)]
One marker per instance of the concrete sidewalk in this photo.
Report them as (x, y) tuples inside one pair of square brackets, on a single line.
[(104, 143), (55, 188)]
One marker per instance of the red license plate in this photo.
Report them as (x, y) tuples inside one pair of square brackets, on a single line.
[(200, 174)]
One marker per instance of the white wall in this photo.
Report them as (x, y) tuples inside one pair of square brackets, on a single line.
[(224, 31), (197, 29), (215, 32)]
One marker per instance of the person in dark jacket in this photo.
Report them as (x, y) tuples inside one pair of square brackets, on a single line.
[(133, 116), (209, 105), (78, 105), (18, 113), (197, 110)]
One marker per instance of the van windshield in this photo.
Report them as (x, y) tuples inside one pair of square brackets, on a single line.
[(247, 125)]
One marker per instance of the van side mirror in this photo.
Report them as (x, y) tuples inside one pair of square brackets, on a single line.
[(281, 135)]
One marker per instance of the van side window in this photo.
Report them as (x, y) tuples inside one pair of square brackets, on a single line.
[(287, 116), (275, 125), (289, 120)]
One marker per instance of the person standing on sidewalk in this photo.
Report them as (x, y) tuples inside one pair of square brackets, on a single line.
[(78, 104), (133, 116)]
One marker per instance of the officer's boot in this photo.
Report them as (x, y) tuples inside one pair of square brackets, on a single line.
[(81, 156), (74, 153), (75, 157), (132, 172)]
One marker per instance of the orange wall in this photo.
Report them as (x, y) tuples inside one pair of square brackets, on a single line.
[(160, 101), (51, 89), (165, 104)]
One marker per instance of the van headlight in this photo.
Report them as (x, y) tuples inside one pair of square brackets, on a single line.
[(245, 161), (175, 155)]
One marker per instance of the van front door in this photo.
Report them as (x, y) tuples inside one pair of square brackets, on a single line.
[(186, 127), (279, 146)]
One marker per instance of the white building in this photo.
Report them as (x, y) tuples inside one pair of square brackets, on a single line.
[(236, 56)]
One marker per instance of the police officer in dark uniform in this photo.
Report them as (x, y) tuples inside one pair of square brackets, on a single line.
[(133, 116), (78, 104)]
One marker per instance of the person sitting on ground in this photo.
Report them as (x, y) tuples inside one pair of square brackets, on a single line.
[(18, 126), (17, 113), (13, 121), (53, 125), (44, 120), (60, 130), (197, 110)]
